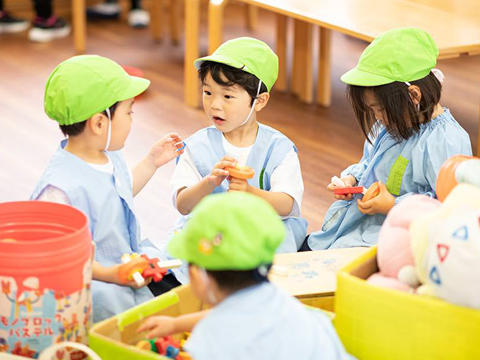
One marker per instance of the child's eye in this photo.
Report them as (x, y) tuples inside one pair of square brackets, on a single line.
[(208, 93), (228, 97)]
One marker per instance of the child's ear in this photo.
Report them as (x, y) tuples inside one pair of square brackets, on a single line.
[(194, 274), (262, 101), (196, 280), (415, 94), (97, 123)]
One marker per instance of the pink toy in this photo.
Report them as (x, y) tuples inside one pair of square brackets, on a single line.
[(394, 255)]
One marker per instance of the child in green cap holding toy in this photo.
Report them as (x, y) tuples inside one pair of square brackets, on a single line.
[(236, 80), (230, 250), (395, 94), (91, 97)]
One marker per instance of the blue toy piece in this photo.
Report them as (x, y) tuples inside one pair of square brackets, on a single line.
[(172, 352)]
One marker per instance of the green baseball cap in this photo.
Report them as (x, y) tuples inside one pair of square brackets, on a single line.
[(403, 55), (250, 55), (230, 231), (85, 85)]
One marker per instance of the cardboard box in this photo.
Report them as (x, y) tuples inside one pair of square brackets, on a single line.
[(376, 323), (115, 338)]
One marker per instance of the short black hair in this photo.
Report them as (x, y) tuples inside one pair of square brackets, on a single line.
[(403, 119), (233, 75), (232, 281), (78, 128)]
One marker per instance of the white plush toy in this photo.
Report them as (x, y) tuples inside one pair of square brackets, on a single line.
[(446, 248)]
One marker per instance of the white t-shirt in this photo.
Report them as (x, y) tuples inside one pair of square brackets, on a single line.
[(286, 178), (54, 194)]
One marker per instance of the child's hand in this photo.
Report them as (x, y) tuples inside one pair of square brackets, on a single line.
[(166, 149), (380, 204), (349, 182), (219, 173), (238, 184), (158, 326), (112, 275)]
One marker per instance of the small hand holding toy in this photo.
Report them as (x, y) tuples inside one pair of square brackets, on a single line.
[(341, 187), (219, 171), (140, 267), (239, 176), (345, 189), (132, 269), (377, 200), (167, 148)]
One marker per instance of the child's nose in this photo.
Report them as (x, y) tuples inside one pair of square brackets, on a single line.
[(216, 104)]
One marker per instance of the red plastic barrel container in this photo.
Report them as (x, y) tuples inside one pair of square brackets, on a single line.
[(45, 274)]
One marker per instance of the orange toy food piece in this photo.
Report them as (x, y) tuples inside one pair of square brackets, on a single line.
[(126, 271), (446, 179), (372, 192), (241, 172)]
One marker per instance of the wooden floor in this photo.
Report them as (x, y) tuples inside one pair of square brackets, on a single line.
[(328, 139)]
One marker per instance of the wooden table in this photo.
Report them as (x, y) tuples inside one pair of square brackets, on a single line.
[(454, 24), (311, 276)]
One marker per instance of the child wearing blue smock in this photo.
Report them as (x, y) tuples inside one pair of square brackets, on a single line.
[(395, 93), (230, 250), (91, 98), (236, 81)]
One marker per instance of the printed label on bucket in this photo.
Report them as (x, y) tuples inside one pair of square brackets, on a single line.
[(38, 317)]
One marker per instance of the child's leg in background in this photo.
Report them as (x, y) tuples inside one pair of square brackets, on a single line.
[(46, 26), (43, 8), (110, 9), (137, 17), (10, 24), (136, 4)]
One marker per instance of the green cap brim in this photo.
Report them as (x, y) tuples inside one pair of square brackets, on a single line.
[(220, 59), (364, 78), (177, 246), (137, 86)]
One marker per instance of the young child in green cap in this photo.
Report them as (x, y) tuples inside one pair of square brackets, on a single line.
[(395, 94), (230, 251), (236, 80), (91, 97)]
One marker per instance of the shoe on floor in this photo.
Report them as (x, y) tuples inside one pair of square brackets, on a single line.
[(139, 18), (45, 30), (104, 11), (10, 24)]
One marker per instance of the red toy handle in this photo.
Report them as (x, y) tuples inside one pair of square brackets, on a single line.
[(349, 190)]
